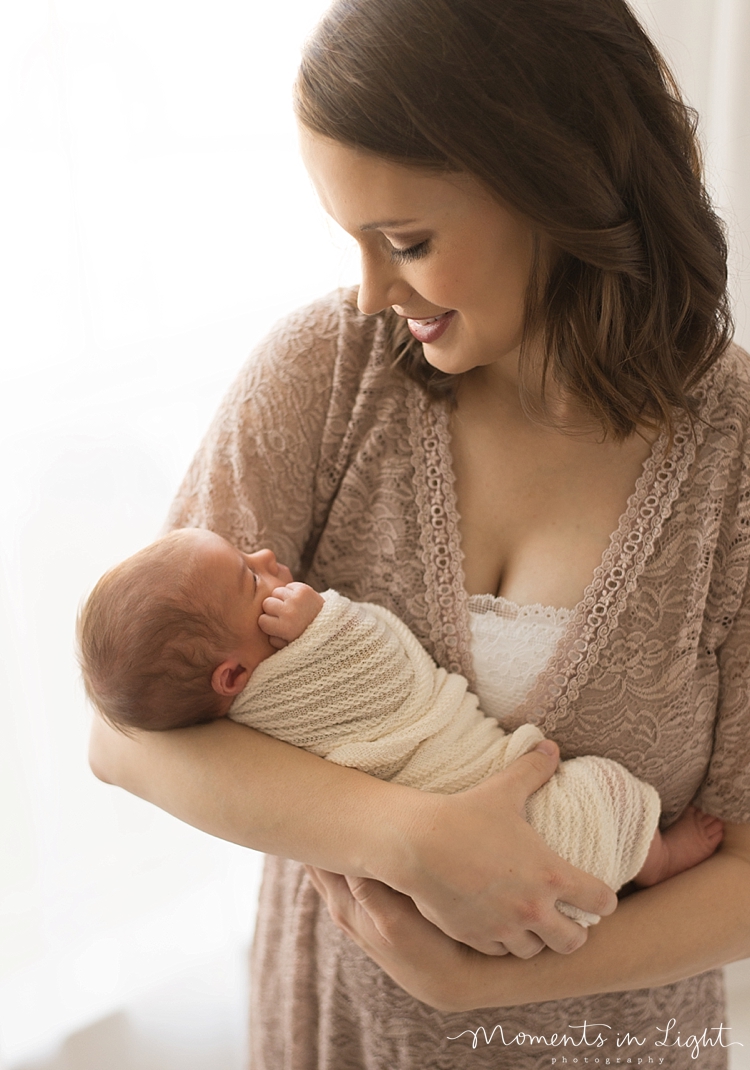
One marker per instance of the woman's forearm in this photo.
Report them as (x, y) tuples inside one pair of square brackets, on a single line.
[(693, 922), (246, 787), (470, 861)]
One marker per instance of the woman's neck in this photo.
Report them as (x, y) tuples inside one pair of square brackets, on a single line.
[(494, 390)]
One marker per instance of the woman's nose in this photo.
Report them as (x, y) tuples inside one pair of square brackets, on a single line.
[(381, 285)]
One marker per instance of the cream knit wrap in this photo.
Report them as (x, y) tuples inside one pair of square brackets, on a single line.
[(358, 689)]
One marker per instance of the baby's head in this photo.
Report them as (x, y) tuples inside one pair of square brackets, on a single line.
[(168, 637)]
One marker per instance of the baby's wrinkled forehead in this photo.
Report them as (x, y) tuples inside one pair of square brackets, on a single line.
[(197, 548), (194, 538), (187, 558), (212, 567)]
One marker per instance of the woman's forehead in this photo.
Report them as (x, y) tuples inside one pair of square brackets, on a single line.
[(363, 191)]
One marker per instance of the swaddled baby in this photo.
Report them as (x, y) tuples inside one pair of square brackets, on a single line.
[(191, 628)]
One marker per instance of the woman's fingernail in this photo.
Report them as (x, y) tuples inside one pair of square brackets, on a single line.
[(546, 747)]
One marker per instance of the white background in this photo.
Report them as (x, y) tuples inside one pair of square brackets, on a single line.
[(154, 221)]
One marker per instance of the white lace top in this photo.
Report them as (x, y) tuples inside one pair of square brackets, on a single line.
[(510, 645)]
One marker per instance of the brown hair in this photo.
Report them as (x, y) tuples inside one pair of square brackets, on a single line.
[(566, 111), (146, 646)]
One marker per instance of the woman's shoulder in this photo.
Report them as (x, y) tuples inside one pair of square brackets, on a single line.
[(724, 401), (327, 332), (720, 471), (729, 379), (319, 368)]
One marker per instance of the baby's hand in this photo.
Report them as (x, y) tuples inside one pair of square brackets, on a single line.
[(288, 611)]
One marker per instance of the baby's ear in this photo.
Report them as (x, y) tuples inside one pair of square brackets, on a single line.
[(230, 677)]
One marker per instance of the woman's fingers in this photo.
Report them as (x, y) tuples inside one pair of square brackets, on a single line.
[(528, 773), (560, 934), (335, 893), (367, 910), (383, 905), (389, 928), (583, 891), (523, 946)]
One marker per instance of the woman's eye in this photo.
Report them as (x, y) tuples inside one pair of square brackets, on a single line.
[(414, 252)]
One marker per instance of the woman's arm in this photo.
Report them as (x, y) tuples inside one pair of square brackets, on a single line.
[(693, 922), (470, 861)]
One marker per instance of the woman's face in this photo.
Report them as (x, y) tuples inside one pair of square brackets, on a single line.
[(438, 249)]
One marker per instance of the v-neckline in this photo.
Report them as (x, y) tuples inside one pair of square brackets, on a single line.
[(596, 614)]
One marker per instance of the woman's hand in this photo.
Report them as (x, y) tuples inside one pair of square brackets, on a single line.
[(426, 963), (481, 873), (657, 937)]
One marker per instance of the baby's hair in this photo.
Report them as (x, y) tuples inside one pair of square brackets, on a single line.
[(148, 641)]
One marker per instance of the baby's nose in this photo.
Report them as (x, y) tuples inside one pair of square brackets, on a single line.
[(266, 559)]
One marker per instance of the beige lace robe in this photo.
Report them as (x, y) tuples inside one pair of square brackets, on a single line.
[(329, 456)]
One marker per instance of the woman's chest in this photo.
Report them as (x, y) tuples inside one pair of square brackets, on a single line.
[(537, 509)]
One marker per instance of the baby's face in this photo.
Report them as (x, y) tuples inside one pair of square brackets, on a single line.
[(237, 584)]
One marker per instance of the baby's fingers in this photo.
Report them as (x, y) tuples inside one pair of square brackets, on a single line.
[(272, 606), (282, 594), (272, 625)]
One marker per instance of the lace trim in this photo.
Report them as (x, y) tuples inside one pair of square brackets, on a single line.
[(440, 543), (614, 579), (503, 607)]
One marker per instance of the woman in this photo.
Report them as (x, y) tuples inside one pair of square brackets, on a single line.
[(540, 258)]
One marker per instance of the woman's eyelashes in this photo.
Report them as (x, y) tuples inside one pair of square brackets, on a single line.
[(414, 252)]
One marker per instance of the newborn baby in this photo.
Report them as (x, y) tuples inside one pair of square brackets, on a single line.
[(191, 629)]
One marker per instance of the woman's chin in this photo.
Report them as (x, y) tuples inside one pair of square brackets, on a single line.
[(447, 360), (459, 355)]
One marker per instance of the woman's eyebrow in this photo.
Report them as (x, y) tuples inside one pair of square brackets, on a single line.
[(386, 223)]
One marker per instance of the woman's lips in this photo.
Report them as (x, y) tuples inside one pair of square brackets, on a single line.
[(429, 330)]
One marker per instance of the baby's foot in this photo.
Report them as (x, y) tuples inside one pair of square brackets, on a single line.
[(691, 840)]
